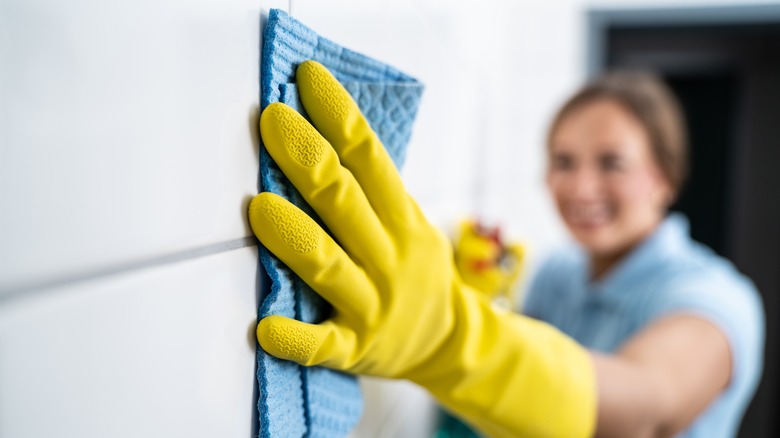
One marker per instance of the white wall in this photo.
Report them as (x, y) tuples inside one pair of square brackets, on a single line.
[(128, 153), (127, 156)]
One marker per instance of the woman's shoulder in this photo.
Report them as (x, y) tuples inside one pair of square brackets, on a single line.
[(673, 261), (698, 273), (698, 281)]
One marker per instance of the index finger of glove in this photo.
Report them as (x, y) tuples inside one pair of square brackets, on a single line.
[(338, 118)]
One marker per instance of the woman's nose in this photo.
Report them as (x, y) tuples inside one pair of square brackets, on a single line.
[(585, 184)]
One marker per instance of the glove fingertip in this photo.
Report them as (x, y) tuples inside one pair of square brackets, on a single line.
[(287, 339), (279, 225), (321, 92)]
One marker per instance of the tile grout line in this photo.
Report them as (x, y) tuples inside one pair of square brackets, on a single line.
[(36, 287)]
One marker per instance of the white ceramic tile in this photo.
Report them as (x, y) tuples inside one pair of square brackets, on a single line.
[(126, 129), (162, 352), (395, 409)]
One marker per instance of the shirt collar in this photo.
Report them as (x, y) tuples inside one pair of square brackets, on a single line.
[(669, 237)]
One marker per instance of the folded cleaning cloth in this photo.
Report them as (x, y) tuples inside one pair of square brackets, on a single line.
[(299, 401)]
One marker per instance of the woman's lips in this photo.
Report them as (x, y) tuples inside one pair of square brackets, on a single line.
[(588, 217)]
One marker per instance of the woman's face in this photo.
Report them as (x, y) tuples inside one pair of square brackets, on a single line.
[(606, 184)]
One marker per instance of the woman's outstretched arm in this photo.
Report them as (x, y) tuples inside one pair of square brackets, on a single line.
[(662, 378)]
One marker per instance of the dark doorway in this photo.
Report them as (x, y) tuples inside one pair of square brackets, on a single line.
[(709, 102), (724, 65)]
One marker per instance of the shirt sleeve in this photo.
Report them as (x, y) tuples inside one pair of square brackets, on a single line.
[(731, 303)]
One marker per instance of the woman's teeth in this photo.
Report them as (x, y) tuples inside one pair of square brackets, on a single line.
[(588, 215)]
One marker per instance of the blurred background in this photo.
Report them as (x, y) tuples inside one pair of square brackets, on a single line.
[(128, 154)]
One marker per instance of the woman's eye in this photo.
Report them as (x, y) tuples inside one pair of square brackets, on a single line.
[(611, 162), (561, 162)]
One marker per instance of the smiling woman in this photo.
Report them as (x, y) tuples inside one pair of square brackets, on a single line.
[(676, 332)]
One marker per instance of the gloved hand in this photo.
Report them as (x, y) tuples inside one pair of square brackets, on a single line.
[(399, 307), (487, 263)]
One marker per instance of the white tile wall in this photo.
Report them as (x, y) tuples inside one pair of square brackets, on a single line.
[(162, 352), (127, 135), (127, 131)]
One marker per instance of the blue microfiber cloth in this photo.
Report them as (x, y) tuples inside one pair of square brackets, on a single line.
[(299, 401)]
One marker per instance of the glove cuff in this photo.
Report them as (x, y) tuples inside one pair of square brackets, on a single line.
[(510, 375)]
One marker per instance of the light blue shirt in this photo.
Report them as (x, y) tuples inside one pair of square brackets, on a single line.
[(668, 273)]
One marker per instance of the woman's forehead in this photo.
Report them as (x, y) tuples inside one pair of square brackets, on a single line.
[(597, 126)]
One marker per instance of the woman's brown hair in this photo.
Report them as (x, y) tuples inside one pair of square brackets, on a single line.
[(653, 104)]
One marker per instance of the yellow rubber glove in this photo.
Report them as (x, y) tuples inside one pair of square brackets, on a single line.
[(399, 307), (488, 264)]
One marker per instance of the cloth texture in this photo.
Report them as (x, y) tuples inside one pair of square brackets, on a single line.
[(299, 401), (668, 273)]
